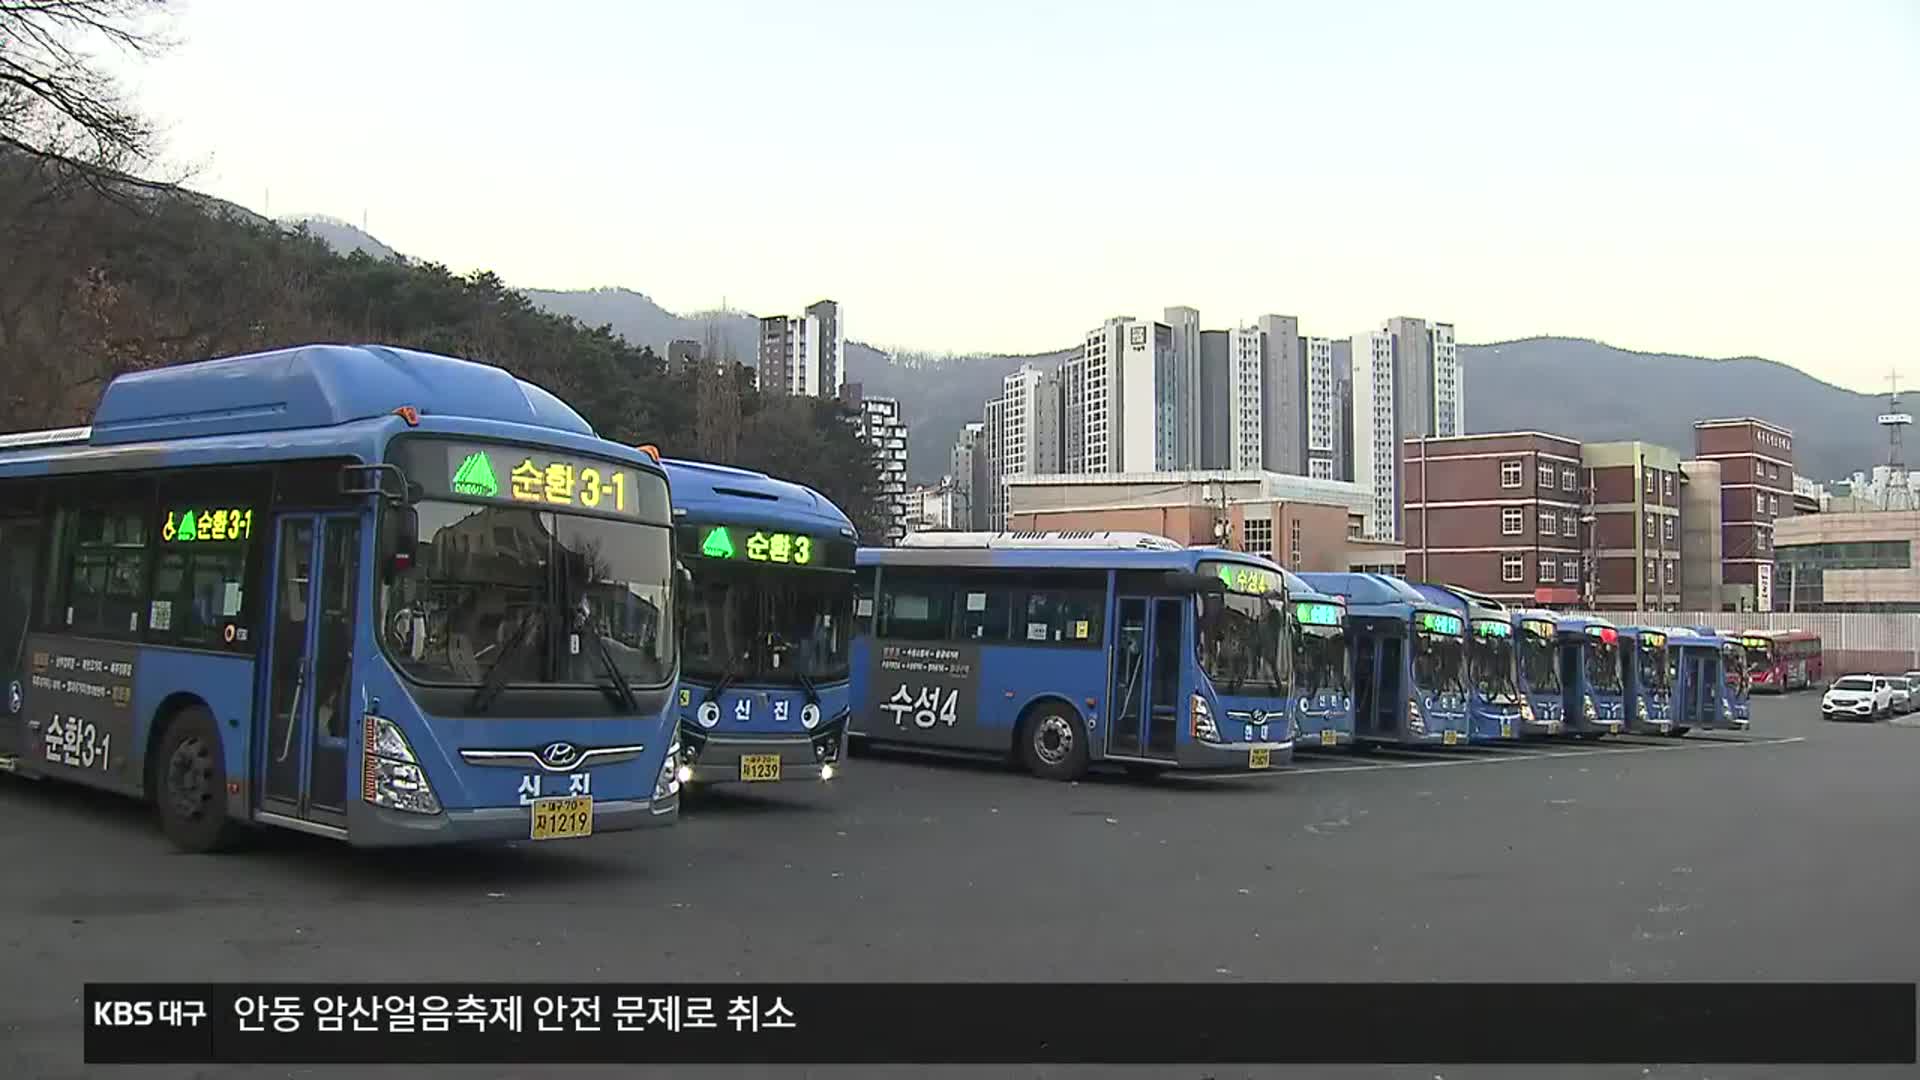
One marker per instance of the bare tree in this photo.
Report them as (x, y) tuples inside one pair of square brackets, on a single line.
[(55, 99), (717, 398)]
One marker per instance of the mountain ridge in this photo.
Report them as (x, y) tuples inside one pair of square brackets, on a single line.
[(1586, 388)]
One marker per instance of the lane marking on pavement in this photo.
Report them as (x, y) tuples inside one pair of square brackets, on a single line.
[(1598, 752)]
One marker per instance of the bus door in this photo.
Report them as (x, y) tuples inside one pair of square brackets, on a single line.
[(1366, 664), (19, 547), (301, 737), (1147, 658)]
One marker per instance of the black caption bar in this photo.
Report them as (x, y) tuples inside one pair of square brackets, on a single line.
[(1002, 1024)]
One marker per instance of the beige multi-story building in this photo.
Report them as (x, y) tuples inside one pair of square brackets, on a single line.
[(1858, 561)]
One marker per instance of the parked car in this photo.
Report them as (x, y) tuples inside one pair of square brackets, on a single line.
[(1857, 697), (1901, 701)]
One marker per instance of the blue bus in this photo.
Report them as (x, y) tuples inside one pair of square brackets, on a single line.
[(1494, 703), (766, 632), (1064, 650), (1409, 662), (367, 593), (1590, 676), (1322, 666), (1648, 679), (1697, 664), (1737, 663), (1536, 653)]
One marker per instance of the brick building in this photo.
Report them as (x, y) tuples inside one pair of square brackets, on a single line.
[(1634, 532), (1497, 514), (1756, 489)]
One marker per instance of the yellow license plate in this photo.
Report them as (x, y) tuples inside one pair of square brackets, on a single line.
[(1329, 737), (562, 819), (1448, 738), (1506, 729), (1260, 758), (1614, 728), (760, 767)]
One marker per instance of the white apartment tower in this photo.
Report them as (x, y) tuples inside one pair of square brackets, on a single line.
[(1030, 425), (1185, 386), (1323, 409), (804, 355), (1406, 384), (1091, 384), (1245, 417)]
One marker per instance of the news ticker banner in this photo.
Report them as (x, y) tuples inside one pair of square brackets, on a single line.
[(1001, 1023)]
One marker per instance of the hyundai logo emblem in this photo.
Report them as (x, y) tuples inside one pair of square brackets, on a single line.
[(1259, 716), (558, 755)]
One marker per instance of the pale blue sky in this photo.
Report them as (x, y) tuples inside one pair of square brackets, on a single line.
[(1713, 178)]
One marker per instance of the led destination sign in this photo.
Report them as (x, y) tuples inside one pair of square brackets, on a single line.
[(1440, 624), (533, 478), (1240, 578), (1310, 614), (1493, 629), (758, 545)]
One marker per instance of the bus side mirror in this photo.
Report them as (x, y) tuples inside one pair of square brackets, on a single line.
[(401, 537)]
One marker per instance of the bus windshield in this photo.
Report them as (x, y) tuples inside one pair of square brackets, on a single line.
[(1439, 662), (1540, 662), (1655, 674), (1320, 660), (768, 626), (1735, 656), (504, 585), (1241, 638), (1603, 665), (1490, 658)]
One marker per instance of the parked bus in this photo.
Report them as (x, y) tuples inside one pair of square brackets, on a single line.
[(1590, 676), (1322, 667), (1736, 662), (361, 592), (767, 629), (1782, 660), (1067, 649), (1409, 662), (1536, 654), (1493, 706), (1696, 661), (1648, 680)]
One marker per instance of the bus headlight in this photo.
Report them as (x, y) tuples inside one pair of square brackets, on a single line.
[(1200, 720), (390, 776), (1643, 711), (667, 784), (1526, 710), (1416, 723), (1592, 713)]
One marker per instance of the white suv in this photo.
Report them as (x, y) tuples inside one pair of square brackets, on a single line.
[(1859, 697), (1902, 695)]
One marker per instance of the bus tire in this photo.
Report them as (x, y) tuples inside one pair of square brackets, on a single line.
[(1053, 743), (190, 784)]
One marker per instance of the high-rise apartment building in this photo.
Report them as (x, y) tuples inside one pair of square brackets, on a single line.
[(1406, 384), (1184, 323), (990, 495), (1030, 425), (885, 430), (966, 468), (1325, 419), (1246, 406), (804, 355), (1216, 399), (1282, 396), (1343, 409), (1154, 418)]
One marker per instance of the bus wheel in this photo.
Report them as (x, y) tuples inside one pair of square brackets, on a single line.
[(190, 784), (1054, 744)]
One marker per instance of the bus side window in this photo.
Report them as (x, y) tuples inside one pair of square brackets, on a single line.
[(1063, 616), (915, 611), (982, 613), (98, 580), (863, 601)]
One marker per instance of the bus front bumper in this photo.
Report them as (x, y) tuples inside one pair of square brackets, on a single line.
[(370, 826), (750, 759), (1233, 757)]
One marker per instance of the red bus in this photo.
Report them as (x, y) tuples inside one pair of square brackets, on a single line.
[(1782, 660)]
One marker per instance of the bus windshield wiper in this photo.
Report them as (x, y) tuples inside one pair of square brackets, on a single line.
[(496, 678), (622, 689)]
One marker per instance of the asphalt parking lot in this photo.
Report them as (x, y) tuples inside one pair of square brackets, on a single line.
[(1788, 852)]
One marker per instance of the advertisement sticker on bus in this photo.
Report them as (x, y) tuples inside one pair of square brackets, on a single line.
[(81, 705), (925, 693)]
